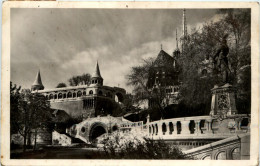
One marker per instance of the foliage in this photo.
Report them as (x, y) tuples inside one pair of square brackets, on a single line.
[(83, 79), (29, 113), (139, 79), (61, 85), (204, 42), (141, 149)]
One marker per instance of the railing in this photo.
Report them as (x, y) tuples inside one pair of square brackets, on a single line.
[(198, 127)]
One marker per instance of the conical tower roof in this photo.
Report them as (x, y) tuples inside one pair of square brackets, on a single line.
[(96, 73), (38, 80)]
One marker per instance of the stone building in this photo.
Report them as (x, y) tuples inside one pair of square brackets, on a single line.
[(84, 100)]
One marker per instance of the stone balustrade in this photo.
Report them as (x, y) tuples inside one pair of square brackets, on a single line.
[(200, 127)]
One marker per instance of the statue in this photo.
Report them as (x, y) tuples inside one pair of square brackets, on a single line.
[(221, 61)]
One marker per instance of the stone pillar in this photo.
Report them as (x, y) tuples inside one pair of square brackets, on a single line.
[(223, 101), (160, 133)]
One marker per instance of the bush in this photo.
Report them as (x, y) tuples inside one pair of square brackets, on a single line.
[(145, 148)]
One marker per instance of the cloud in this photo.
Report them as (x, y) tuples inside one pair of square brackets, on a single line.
[(66, 42)]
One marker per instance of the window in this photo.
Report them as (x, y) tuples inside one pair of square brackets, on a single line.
[(79, 94), (164, 129), (171, 127), (59, 96), (206, 157), (69, 95), (90, 92)]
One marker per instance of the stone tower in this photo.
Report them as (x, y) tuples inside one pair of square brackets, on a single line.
[(96, 78), (37, 84)]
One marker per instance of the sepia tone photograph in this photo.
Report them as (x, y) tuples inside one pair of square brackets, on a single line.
[(130, 83)]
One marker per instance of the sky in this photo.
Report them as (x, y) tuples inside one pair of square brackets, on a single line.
[(62, 43)]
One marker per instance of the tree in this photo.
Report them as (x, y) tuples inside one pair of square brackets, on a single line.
[(61, 85), (139, 79), (236, 23), (83, 79), (30, 113)]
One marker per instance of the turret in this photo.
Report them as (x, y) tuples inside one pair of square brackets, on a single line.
[(37, 84), (96, 78)]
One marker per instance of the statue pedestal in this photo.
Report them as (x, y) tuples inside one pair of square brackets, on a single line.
[(223, 101)]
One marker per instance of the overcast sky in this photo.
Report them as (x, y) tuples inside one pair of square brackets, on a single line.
[(66, 42)]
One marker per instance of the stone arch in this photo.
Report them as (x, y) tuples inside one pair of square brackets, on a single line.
[(206, 157), (51, 96), (119, 97), (96, 130), (204, 72), (69, 95), (60, 96), (100, 92), (79, 94), (221, 155), (235, 153)]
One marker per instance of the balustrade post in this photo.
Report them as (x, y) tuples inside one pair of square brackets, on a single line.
[(185, 127), (197, 127), (209, 125)]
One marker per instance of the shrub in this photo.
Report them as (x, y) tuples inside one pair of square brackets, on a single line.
[(145, 148)]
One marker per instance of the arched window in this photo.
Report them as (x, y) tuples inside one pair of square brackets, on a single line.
[(100, 93), (47, 97), (153, 129), (84, 93), (90, 92), (64, 96), (150, 130), (51, 96), (83, 129), (164, 129), (60, 96), (79, 94), (192, 126), (69, 95), (55, 96), (171, 127), (114, 128), (178, 127), (204, 72)]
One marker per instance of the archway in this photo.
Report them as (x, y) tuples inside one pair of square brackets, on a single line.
[(96, 131), (119, 98)]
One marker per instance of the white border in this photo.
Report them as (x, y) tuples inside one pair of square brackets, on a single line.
[(5, 107)]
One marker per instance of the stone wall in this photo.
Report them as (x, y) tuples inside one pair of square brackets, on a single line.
[(60, 139)]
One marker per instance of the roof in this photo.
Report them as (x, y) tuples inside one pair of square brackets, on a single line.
[(163, 58), (38, 80), (96, 72)]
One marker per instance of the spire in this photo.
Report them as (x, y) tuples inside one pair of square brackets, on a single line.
[(161, 46), (97, 71), (38, 80), (37, 84), (184, 24), (177, 47)]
